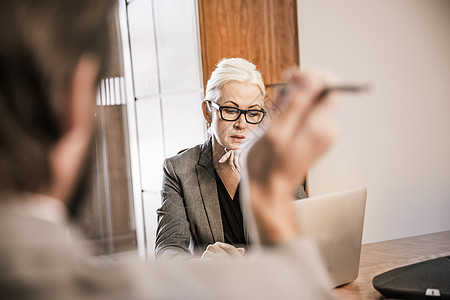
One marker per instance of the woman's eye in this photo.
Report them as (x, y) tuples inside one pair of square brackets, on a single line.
[(253, 113), (231, 111)]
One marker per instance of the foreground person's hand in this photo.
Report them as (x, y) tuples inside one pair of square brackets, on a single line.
[(218, 251), (281, 157)]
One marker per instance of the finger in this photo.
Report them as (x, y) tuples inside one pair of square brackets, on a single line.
[(230, 249), (225, 157), (236, 161), (241, 250), (319, 81), (281, 95), (304, 91), (319, 126), (231, 161), (220, 250), (213, 248), (217, 248), (318, 130)]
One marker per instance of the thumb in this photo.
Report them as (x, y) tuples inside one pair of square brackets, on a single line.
[(225, 157)]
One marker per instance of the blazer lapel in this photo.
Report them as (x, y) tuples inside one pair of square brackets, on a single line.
[(208, 190)]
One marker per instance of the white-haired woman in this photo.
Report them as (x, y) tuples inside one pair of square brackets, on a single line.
[(200, 215)]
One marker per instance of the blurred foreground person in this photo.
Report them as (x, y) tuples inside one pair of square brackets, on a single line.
[(52, 55)]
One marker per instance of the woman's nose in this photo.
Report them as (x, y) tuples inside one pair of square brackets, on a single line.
[(240, 123)]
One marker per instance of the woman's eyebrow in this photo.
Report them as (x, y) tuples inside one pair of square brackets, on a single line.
[(237, 105), (231, 102)]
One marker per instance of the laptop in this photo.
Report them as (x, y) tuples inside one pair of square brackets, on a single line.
[(334, 222)]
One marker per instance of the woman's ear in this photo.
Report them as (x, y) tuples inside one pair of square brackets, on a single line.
[(206, 108)]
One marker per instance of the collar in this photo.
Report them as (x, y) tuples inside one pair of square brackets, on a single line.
[(205, 159)]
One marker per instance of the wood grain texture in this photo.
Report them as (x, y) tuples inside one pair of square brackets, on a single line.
[(380, 257), (262, 31)]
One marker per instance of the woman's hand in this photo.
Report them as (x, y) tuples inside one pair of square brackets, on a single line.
[(232, 157), (279, 160), (218, 251)]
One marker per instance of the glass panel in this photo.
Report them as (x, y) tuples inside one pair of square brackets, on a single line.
[(151, 147), (178, 45), (152, 201), (143, 51), (183, 121)]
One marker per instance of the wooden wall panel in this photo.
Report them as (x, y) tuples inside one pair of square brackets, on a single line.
[(284, 37), (262, 31)]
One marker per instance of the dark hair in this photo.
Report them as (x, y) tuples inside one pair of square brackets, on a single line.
[(41, 43)]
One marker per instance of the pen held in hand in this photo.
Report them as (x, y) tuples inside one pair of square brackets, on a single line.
[(346, 88)]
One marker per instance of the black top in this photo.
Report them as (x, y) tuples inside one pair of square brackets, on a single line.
[(230, 210)]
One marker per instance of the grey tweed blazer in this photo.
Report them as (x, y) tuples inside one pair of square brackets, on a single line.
[(189, 218)]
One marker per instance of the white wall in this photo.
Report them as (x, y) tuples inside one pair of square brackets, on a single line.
[(395, 140)]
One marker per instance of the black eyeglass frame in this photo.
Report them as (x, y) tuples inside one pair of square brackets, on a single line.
[(241, 111)]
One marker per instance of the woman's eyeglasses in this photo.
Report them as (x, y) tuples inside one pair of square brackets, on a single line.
[(230, 113)]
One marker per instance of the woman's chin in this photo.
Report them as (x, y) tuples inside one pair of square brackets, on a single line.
[(231, 144), (234, 146)]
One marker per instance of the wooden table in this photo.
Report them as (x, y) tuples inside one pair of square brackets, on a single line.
[(380, 257)]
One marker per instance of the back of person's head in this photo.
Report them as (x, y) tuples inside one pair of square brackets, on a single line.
[(232, 69), (41, 44)]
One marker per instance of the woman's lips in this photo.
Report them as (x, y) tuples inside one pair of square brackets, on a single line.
[(237, 138)]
